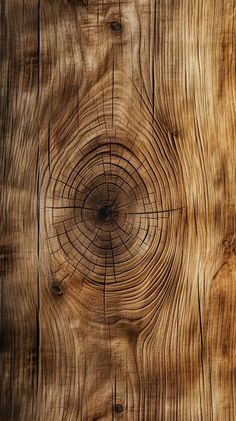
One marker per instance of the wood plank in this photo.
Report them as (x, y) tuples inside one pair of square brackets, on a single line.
[(118, 240), (19, 233)]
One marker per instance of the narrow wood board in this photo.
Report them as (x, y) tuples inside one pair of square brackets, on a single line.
[(118, 244)]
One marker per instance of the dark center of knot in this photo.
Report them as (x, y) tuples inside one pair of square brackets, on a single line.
[(105, 213), (116, 26)]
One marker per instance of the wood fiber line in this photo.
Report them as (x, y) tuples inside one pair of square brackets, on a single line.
[(118, 210)]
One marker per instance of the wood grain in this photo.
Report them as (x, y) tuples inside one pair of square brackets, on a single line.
[(118, 262)]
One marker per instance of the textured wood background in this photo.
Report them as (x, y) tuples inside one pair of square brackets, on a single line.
[(118, 245)]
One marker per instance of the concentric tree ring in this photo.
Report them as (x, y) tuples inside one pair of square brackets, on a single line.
[(103, 213)]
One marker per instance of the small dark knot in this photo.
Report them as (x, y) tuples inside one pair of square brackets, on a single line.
[(105, 213), (118, 407), (80, 2), (56, 289), (115, 26)]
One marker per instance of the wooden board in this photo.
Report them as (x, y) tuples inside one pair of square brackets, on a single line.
[(118, 242)]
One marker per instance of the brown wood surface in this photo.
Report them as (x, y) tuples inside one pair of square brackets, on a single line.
[(118, 297)]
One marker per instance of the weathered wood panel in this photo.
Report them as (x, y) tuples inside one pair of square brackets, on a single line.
[(118, 262)]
